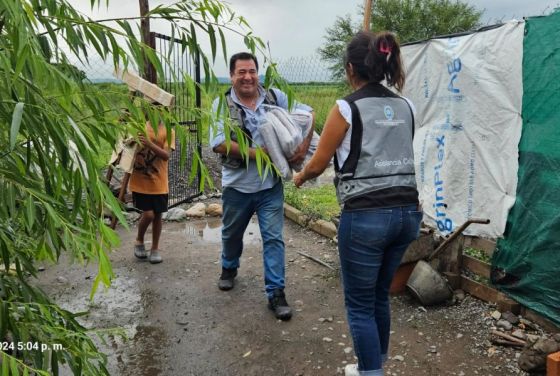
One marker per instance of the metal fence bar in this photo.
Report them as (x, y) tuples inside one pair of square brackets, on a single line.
[(177, 65)]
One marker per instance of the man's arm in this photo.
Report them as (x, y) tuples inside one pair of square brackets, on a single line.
[(218, 139), (234, 150)]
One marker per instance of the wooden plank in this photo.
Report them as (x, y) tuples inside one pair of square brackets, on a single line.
[(489, 294), (151, 91), (476, 266), (450, 257), (479, 290), (537, 318)]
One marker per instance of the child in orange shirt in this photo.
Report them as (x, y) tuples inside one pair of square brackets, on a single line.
[(150, 188)]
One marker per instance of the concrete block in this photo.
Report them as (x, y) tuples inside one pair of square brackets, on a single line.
[(295, 215), (327, 229)]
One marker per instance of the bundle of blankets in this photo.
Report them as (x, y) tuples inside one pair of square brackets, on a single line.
[(282, 133)]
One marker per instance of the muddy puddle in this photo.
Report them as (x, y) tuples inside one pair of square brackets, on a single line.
[(210, 232)]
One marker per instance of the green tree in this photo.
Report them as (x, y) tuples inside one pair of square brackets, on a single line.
[(410, 20), (53, 124)]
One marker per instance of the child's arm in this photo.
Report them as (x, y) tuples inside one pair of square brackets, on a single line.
[(159, 152)]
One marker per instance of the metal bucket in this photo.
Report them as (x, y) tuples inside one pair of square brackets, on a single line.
[(427, 285)]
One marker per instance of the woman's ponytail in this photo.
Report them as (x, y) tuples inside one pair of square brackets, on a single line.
[(387, 45), (376, 57)]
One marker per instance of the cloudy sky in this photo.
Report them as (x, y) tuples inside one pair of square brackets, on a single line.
[(297, 27)]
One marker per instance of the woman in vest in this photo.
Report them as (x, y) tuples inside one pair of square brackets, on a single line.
[(370, 135)]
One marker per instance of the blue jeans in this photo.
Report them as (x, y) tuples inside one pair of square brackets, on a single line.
[(371, 243), (238, 208)]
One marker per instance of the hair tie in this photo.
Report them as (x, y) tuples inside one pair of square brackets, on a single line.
[(385, 49)]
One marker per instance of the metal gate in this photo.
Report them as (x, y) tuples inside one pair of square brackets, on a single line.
[(177, 64)]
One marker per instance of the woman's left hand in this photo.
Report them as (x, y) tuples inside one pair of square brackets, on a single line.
[(298, 179), (144, 141)]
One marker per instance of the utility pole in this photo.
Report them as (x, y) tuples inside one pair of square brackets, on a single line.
[(368, 4), (149, 72)]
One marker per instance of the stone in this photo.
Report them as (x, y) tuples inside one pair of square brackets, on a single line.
[(504, 324), (518, 333), (197, 210), (214, 210), (61, 279), (496, 315), (327, 339), (131, 216), (459, 295), (510, 317), (546, 346), (532, 338), (533, 357), (398, 358), (175, 214)]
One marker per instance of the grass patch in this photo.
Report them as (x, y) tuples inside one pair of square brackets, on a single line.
[(478, 254), (316, 202)]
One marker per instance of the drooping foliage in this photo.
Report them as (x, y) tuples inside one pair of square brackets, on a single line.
[(53, 124)]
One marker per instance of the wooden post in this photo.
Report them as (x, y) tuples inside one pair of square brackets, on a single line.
[(368, 4), (149, 72)]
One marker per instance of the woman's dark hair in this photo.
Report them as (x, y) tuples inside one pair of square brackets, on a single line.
[(242, 56), (376, 57)]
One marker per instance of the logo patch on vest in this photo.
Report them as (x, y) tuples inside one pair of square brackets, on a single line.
[(389, 113)]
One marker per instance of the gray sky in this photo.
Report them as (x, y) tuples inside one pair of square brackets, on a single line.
[(296, 28)]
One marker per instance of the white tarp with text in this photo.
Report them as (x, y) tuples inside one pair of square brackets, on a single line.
[(467, 91)]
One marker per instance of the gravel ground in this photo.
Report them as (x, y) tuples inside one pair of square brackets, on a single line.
[(178, 322)]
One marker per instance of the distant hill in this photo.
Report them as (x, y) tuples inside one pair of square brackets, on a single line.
[(105, 80), (222, 80)]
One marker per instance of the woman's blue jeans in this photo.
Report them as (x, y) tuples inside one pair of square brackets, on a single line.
[(238, 208), (371, 243)]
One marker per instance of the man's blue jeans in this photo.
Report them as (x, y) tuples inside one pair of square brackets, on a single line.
[(371, 243), (238, 208)]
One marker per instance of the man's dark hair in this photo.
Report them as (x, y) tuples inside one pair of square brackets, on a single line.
[(242, 56)]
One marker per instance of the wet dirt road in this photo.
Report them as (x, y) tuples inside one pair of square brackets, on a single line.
[(179, 323)]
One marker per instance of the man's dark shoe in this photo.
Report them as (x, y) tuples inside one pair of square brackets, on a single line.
[(226, 279), (279, 305)]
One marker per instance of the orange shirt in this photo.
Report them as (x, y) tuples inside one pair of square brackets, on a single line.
[(150, 172)]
